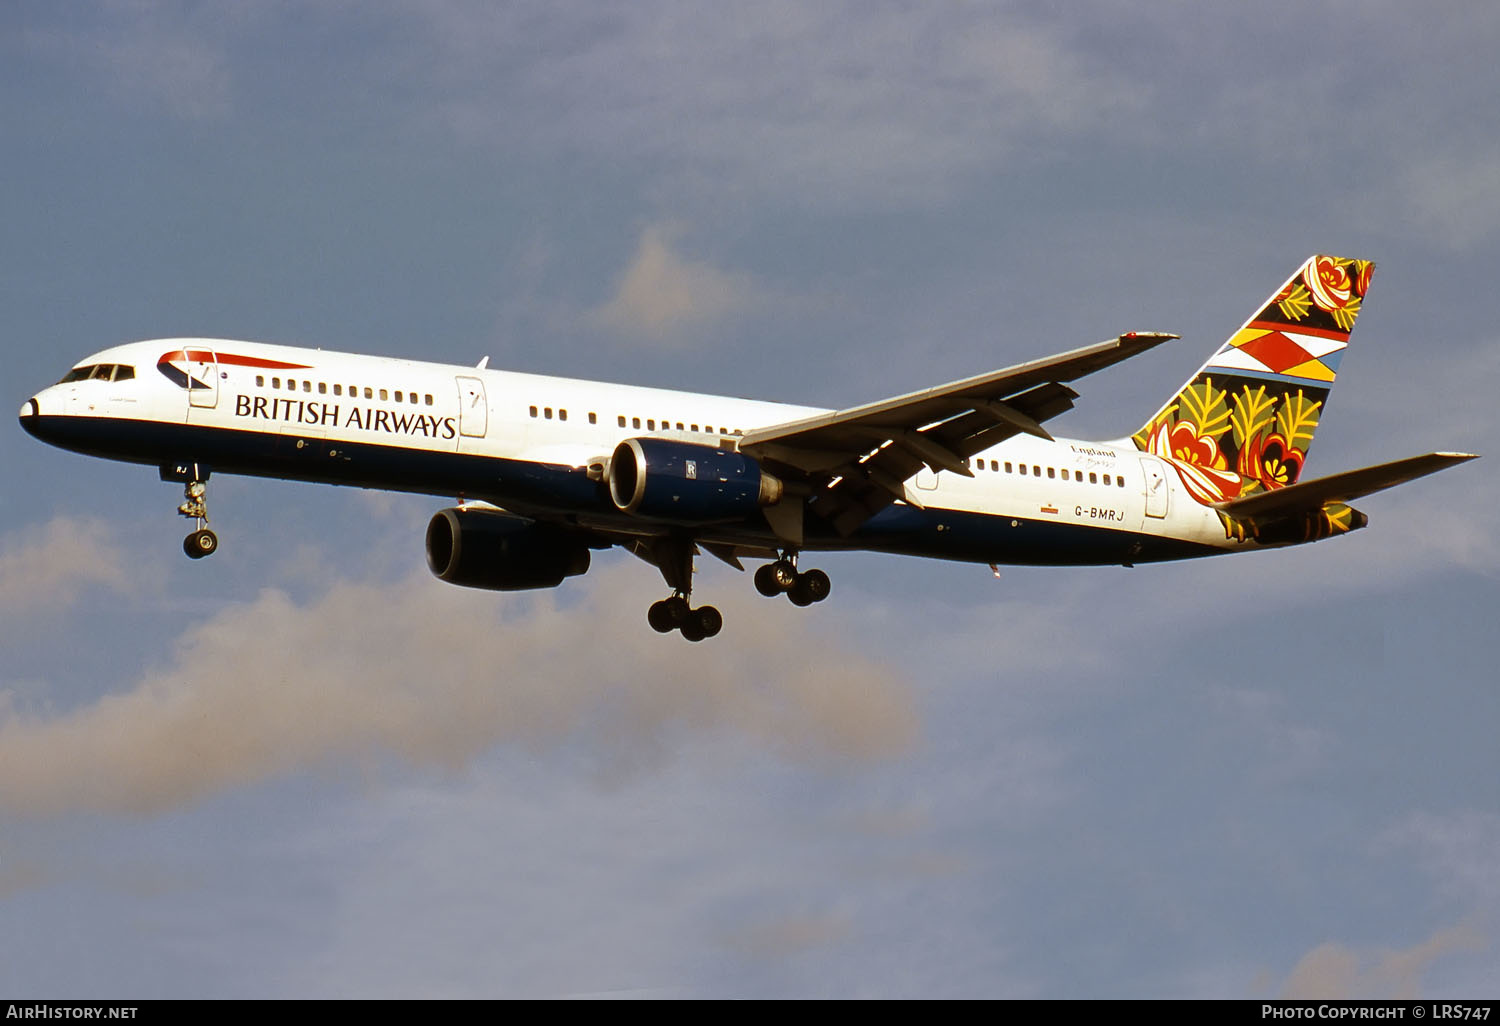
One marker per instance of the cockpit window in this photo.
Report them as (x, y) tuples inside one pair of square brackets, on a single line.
[(100, 372)]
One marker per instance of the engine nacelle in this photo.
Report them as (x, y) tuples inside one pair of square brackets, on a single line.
[(488, 549), (657, 477)]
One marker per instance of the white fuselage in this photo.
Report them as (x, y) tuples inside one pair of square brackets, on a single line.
[(526, 443)]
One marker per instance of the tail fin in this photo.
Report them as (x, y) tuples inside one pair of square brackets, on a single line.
[(1245, 421)]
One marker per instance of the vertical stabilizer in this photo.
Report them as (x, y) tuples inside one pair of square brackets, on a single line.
[(1245, 421)]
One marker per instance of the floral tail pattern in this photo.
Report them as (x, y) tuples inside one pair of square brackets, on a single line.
[(1245, 421)]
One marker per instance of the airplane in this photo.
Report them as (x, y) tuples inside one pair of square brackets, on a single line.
[(547, 470)]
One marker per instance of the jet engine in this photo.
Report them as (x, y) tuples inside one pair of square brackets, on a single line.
[(480, 548), (669, 480)]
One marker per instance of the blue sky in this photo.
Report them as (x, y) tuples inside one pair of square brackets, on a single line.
[(306, 768)]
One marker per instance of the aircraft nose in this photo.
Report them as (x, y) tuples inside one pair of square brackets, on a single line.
[(29, 414)]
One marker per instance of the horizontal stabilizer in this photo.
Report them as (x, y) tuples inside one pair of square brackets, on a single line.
[(1351, 484)]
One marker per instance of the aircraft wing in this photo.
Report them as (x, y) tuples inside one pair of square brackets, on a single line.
[(1311, 495), (859, 459)]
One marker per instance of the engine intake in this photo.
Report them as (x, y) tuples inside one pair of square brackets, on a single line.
[(499, 552), (657, 477)]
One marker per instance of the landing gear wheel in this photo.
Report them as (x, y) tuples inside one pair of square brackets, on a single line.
[(677, 610), (766, 582), (784, 573), (692, 631), (658, 616), (200, 543), (813, 586), (707, 620), (817, 584)]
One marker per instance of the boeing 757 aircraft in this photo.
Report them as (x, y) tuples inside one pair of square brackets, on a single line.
[(546, 469)]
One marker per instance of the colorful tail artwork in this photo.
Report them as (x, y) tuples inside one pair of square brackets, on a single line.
[(1244, 423)]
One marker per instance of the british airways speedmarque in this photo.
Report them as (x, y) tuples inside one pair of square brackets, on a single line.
[(549, 468)]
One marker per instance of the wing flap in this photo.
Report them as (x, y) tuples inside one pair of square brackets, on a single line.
[(1311, 495)]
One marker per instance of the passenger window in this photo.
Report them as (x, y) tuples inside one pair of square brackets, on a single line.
[(322, 388), (635, 422), (695, 427), (307, 386), (1036, 470), (1023, 470), (593, 418), (679, 425), (1120, 482), (260, 381), (412, 398), (398, 397), (650, 425), (1007, 467), (1065, 473), (562, 414), (1093, 478), (384, 395), (275, 382), (338, 389), (369, 392), (621, 419), (429, 400), (533, 411), (547, 412), (1051, 473)]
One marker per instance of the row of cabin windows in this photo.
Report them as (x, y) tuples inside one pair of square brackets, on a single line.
[(547, 413), (1033, 470), (666, 425), (401, 396)]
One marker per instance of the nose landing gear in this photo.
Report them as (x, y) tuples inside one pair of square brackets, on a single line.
[(201, 542)]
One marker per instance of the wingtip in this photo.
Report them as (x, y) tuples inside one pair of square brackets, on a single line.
[(1148, 338)]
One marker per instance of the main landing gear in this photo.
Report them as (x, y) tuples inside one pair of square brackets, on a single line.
[(675, 614), (201, 542), (674, 558), (782, 577)]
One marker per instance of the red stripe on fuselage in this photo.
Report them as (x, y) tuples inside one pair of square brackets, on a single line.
[(209, 356)]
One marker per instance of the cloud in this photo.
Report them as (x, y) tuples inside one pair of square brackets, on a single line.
[(662, 295), (1335, 972), (46, 567), (434, 675)]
